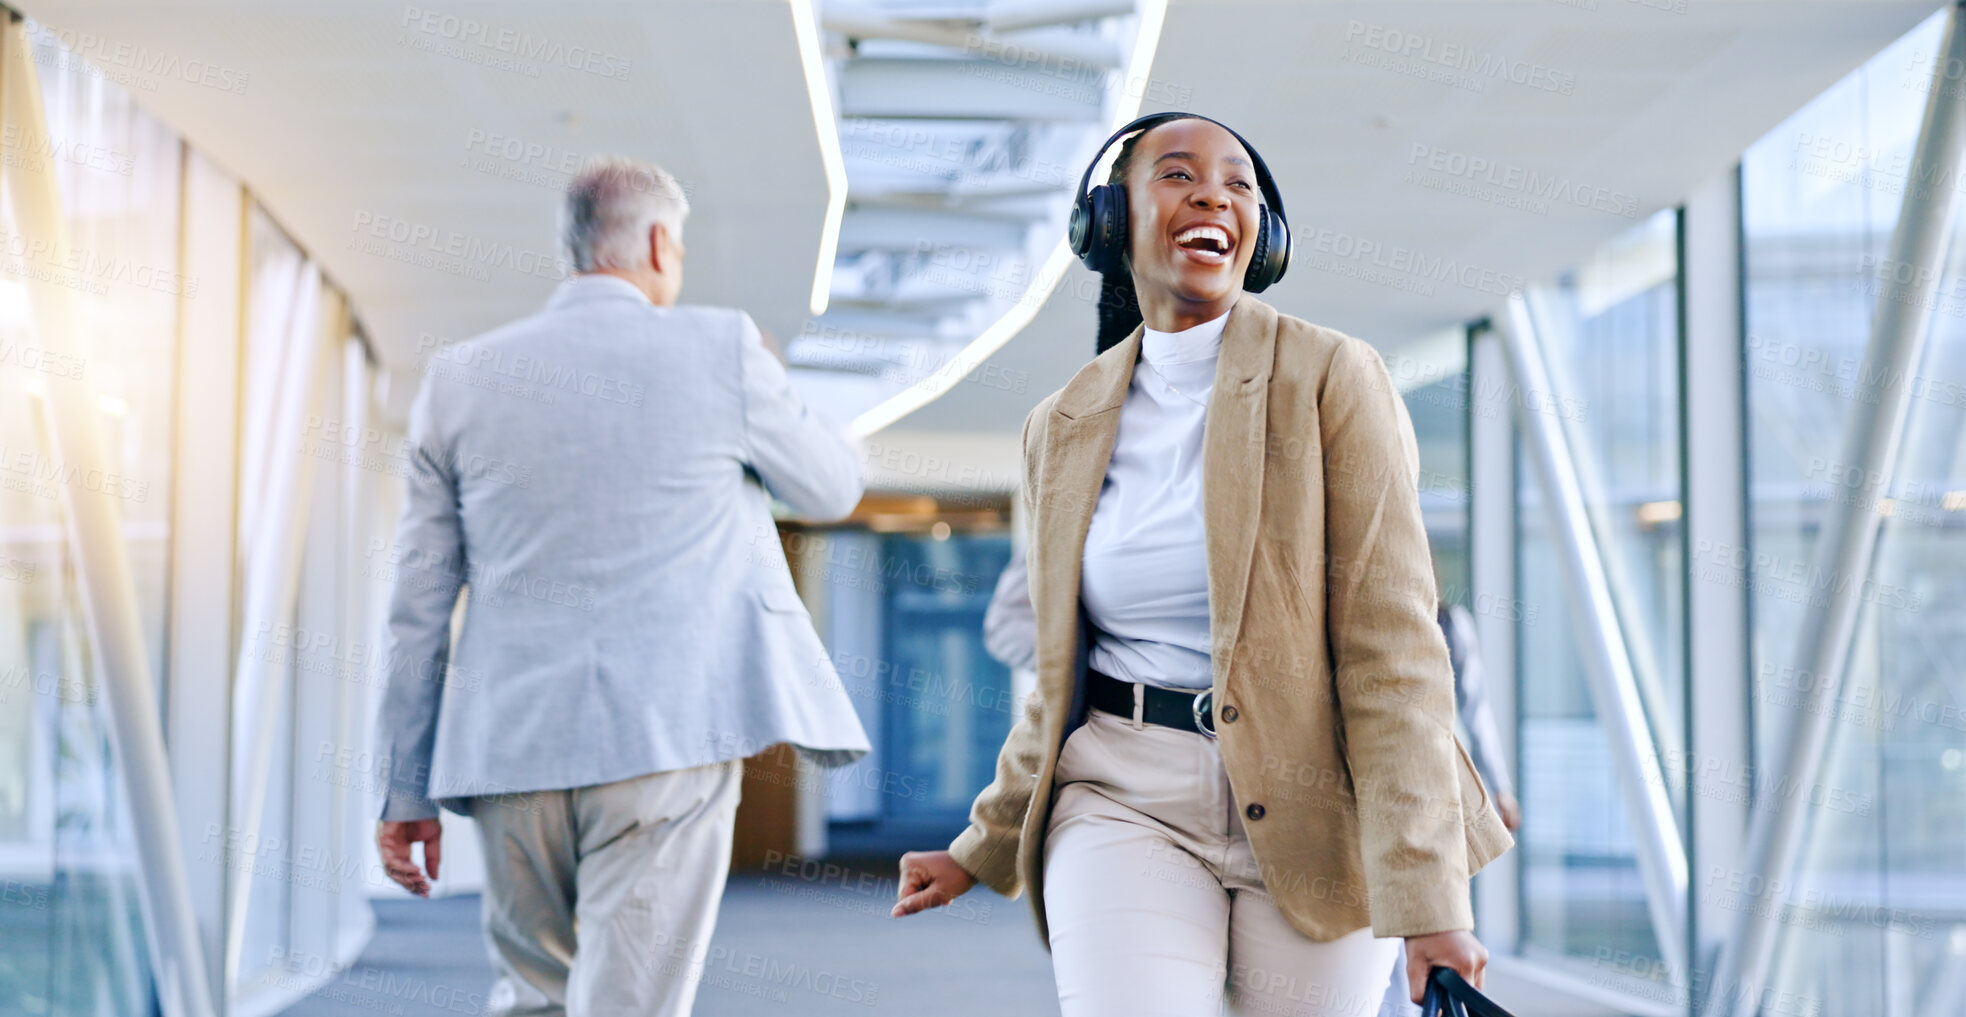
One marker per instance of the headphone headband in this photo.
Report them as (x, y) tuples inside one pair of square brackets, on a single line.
[(1268, 185)]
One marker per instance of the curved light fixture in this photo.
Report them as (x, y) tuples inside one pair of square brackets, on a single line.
[(828, 127), (1152, 14), (991, 339)]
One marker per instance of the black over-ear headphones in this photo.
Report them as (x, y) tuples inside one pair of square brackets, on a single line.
[(1099, 215)]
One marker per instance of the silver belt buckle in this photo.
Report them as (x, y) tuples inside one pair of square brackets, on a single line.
[(1204, 717)]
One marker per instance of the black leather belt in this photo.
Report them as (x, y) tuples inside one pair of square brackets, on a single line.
[(1185, 711)]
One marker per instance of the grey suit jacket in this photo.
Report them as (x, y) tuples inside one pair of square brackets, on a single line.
[(596, 474)]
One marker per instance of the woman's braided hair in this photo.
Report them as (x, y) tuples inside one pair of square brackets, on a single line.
[(1119, 305)]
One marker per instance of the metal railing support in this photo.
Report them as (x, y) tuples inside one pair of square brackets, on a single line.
[(1907, 284), (1719, 664), (1614, 688), (1492, 508)]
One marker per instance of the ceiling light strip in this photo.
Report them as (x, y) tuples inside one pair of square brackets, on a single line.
[(1153, 13), (827, 127)]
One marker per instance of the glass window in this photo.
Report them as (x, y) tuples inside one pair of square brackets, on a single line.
[(1433, 377), (1869, 924), (71, 931), (1610, 333), (279, 306), (946, 730), (907, 640)]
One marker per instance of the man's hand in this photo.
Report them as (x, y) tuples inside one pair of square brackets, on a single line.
[(1458, 950), (394, 840), (929, 879)]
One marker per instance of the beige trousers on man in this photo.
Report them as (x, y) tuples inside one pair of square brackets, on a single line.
[(600, 901), (1155, 902)]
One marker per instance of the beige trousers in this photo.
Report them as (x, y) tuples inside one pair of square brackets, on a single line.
[(600, 901), (1154, 899)]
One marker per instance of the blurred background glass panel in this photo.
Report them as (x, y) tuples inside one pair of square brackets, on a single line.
[(1875, 920), (1434, 381), (71, 926), (935, 704), (1609, 330)]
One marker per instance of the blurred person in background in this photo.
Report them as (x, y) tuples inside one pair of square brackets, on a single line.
[(1238, 778), (1010, 627), (597, 475), (1484, 741)]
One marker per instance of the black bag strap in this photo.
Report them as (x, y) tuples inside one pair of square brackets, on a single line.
[(1450, 995), (1434, 1003)]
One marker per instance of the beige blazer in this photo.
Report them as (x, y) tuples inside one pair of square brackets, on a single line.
[(1334, 698)]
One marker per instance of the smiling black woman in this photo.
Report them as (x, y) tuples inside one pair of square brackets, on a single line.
[(1238, 777), (1200, 202)]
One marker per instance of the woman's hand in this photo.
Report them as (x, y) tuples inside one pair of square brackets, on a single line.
[(930, 879), (1458, 950)]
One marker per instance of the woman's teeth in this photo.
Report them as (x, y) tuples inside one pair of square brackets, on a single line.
[(1194, 237), (1206, 244)]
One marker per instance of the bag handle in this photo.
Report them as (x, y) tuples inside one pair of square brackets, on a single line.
[(1450, 995)]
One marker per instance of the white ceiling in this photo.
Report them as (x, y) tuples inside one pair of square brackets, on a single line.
[(352, 115), (358, 115), (1658, 102)]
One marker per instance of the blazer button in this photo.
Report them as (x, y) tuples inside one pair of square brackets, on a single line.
[(1229, 714), (1255, 810)]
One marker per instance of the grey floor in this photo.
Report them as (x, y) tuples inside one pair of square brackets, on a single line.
[(784, 945)]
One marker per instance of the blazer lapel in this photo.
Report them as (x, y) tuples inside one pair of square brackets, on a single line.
[(1076, 448), (1078, 445), (1234, 440)]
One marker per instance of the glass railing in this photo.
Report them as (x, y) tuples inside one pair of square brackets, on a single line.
[(1874, 919), (1609, 340), (72, 930)]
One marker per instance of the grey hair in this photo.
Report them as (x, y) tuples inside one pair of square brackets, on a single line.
[(611, 204)]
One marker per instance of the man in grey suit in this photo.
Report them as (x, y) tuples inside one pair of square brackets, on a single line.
[(595, 475)]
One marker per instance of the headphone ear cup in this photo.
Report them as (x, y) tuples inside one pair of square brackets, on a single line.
[(1279, 246), (1272, 254), (1105, 244), (1079, 232), (1256, 278)]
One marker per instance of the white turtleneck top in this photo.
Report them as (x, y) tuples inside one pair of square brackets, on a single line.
[(1144, 583)]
